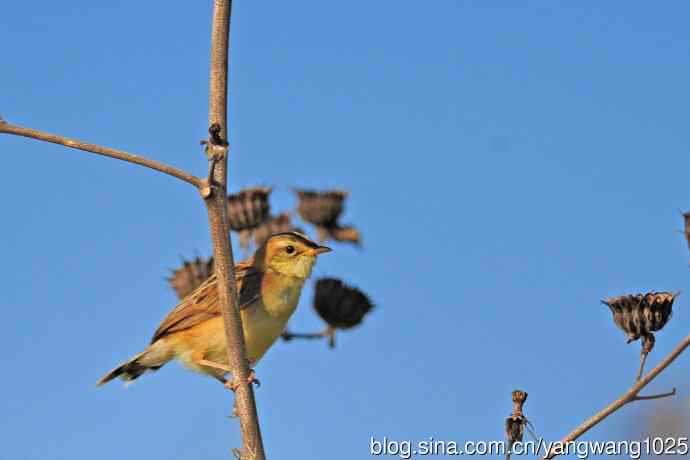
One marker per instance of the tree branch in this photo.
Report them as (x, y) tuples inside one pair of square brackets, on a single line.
[(98, 150), (659, 396), (287, 335), (215, 196), (214, 192), (629, 396)]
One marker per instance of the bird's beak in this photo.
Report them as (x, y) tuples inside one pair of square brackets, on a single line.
[(320, 250)]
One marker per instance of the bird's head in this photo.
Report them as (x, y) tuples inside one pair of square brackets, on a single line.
[(289, 253)]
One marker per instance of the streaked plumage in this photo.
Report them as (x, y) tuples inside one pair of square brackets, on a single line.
[(268, 285)]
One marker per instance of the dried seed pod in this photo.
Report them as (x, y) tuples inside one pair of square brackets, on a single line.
[(340, 305), (190, 275), (343, 234), (641, 314), (275, 224), (516, 423), (323, 209), (248, 209)]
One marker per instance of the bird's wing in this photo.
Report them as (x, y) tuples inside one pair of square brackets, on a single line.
[(202, 304)]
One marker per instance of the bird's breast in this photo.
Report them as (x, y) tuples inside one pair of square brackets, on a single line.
[(266, 319), (280, 295)]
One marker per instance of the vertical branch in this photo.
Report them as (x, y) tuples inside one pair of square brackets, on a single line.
[(215, 197), (220, 43)]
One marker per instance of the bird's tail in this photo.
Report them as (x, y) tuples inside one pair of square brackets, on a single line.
[(151, 359)]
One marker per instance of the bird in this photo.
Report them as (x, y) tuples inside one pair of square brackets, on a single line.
[(268, 283)]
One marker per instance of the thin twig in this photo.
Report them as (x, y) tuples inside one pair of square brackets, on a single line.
[(647, 345), (643, 359), (99, 150), (216, 204), (629, 396), (328, 333), (659, 396), (287, 335)]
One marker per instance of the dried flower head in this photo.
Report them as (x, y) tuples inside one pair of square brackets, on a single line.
[(641, 314), (274, 224), (323, 209), (340, 305), (190, 275), (516, 423), (342, 234), (248, 209)]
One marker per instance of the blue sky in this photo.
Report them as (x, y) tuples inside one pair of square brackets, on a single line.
[(509, 163)]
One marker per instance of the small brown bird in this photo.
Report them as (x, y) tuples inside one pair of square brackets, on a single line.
[(268, 285)]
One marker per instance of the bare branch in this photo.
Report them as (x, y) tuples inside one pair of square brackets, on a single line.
[(629, 396), (214, 193), (659, 396), (98, 150), (287, 335)]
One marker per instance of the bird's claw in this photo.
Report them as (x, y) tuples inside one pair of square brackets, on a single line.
[(251, 378), (231, 385), (234, 384)]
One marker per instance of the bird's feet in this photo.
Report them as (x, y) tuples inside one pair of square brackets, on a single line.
[(234, 384), (215, 365)]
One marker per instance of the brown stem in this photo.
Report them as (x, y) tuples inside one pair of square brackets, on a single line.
[(99, 150), (287, 335), (643, 359), (216, 204), (629, 396), (659, 396), (214, 192), (328, 333), (647, 343)]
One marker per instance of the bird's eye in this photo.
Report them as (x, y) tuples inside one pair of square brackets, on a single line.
[(289, 249)]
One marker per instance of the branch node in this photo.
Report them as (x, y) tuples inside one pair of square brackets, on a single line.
[(206, 190), (215, 138), (216, 151)]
